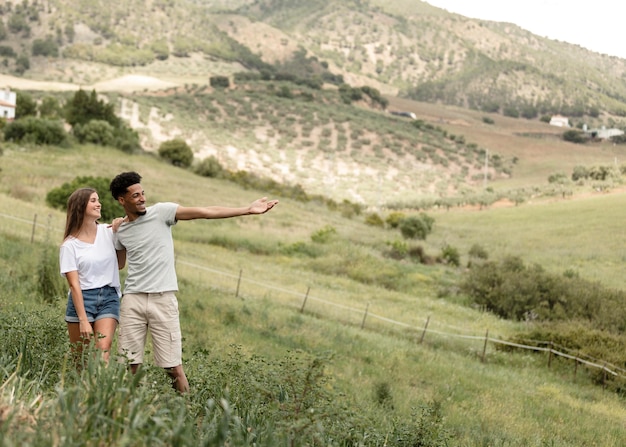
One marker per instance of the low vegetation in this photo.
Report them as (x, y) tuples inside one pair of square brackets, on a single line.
[(267, 373)]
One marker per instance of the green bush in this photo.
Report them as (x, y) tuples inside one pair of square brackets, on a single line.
[(478, 252), (47, 47), (513, 290), (219, 81), (324, 235), (374, 220), (209, 167), (95, 131), (394, 219), (126, 139), (177, 152), (57, 197), (36, 130), (574, 136), (450, 255), (416, 227)]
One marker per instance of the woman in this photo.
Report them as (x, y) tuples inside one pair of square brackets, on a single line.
[(91, 265)]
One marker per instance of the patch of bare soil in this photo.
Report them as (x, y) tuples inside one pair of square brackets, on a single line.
[(127, 83)]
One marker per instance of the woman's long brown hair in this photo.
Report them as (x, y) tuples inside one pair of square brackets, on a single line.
[(76, 205)]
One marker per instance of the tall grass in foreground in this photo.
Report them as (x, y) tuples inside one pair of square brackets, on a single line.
[(237, 400)]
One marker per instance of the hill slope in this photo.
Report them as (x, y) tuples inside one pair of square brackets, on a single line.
[(406, 47)]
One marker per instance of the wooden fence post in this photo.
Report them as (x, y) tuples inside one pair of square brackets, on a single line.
[(550, 355), (485, 346), (238, 283), (305, 298), (424, 331), (32, 234), (365, 315)]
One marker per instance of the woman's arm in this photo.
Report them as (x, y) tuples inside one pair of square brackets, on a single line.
[(86, 331)]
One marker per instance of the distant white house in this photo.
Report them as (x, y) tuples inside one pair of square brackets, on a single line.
[(559, 121), (7, 104), (604, 134)]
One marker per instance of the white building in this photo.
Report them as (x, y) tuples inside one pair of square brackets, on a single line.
[(604, 134), (7, 104), (559, 121)]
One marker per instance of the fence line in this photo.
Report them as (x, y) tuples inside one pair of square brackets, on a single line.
[(605, 366)]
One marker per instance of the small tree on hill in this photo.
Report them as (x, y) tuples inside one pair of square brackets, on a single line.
[(177, 152), (84, 107), (416, 227)]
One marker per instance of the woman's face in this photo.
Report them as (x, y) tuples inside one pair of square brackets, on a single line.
[(93, 206)]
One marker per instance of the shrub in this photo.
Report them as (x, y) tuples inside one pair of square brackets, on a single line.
[(580, 173), (209, 167), (450, 255), (398, 249), (57, 197), (36, 130), (95, 131), (47, 47), (126, 139), (574, 136), (324, 235), (478, 251), (416, 227), (51, 286), (219, 82), (394, 219), (374, 220), (177, 152)]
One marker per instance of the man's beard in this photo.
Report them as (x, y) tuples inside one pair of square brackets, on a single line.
[(141, 213)]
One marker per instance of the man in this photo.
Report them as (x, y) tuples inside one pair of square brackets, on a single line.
[(149, 301)]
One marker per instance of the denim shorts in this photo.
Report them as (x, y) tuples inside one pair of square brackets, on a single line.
[(103, 302)]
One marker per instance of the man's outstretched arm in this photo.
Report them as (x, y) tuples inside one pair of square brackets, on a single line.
[(259, 206)]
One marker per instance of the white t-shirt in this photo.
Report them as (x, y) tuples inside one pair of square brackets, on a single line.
[(150, 250), (95, 263)]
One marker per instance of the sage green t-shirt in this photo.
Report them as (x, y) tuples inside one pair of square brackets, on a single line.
[(150, 250)]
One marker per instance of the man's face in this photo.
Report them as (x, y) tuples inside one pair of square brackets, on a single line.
[(134, 201)]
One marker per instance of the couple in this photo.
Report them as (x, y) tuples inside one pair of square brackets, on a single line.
[(92, 255)]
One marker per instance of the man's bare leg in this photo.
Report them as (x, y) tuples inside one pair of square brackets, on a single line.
[(179, 379)]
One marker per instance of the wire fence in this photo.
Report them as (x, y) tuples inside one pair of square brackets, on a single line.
[(307, 301)]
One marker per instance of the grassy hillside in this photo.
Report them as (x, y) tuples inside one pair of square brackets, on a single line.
[(380, 370)]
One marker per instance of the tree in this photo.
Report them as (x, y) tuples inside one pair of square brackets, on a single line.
[(25, 105), (50, 108), (177, 152), (84, 107)]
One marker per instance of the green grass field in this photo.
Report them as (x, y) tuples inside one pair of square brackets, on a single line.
[(512, 399)]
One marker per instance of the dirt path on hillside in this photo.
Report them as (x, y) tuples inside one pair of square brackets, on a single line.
[(127, 83)]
